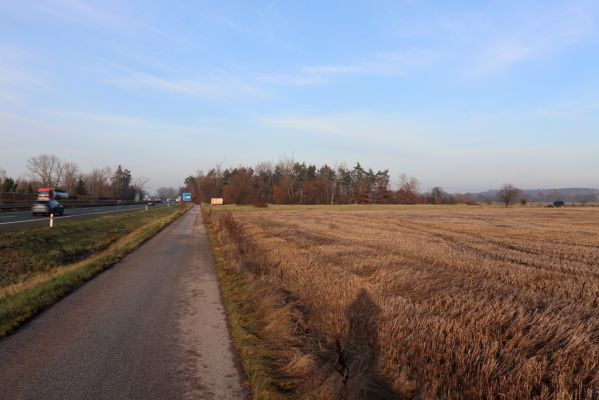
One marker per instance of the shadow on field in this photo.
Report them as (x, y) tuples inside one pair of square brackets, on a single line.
[(357, 362)]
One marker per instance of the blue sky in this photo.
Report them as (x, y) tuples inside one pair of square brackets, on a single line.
[(466, 95)]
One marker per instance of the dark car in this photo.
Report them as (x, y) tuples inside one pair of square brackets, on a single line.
[(556, 204), (151, 203), (47, 207)]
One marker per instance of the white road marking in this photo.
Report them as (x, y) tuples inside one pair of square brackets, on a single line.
[(13, 212), (68, 216)]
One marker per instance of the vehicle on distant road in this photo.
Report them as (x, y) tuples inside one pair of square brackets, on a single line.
[(47, 207), (51, 194), (151, 203), (556, 204)]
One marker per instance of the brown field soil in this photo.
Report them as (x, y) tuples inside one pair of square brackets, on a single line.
[(427, 302)]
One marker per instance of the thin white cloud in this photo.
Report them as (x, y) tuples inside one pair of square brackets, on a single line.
[(495, 38), (362, 128), (15, 77), (393, 63), (538, 36), (227, 86), (213, 87), (118, 17), (220, 86), (81, 12)]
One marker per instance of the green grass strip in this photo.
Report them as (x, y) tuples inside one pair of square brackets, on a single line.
[(24, 305)]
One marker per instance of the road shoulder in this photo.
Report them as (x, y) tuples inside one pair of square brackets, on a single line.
[(204, 331)]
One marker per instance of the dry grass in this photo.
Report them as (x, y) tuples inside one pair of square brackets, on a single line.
[(430, 302)]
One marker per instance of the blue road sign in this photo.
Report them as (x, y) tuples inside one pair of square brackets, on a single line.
[(186, 196)]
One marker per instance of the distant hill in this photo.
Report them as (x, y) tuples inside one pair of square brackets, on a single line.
[(568, 195)]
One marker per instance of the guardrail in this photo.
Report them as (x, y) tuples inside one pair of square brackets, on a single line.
[(9, 207), (71, 204)]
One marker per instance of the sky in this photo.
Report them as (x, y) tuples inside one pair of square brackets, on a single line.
[(466, 95)]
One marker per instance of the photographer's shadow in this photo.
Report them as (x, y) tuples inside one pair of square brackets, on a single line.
[(358, 359)]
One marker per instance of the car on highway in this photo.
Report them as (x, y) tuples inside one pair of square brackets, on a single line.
[(151, 203), (47, 207)]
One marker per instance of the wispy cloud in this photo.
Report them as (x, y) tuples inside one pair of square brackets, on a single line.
[(476, 44), (15, 77), (363, 127), (82, 12), (266, 26), (538, 36), (101, 128), (228, 86), (487, 40), (114, 17), (392, 63), (218, 87)]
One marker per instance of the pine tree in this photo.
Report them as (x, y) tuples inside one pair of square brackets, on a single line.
[(121, 184), (80, 187)]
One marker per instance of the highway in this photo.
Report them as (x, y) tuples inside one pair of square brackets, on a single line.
[(151, 327), (10, 221)]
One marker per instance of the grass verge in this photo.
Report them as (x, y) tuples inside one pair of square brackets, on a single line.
[(249, 303), (282, 357), (98, 243)]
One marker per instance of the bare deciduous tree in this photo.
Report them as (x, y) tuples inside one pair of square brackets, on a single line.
[(97, 181), (46, 169), (408, 189), (507, 194), (70, 174), (140, 182), (166, 193)]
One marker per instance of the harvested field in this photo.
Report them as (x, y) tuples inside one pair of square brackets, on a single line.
[(433, 302)]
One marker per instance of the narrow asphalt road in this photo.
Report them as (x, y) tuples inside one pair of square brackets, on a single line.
[(151, 327)]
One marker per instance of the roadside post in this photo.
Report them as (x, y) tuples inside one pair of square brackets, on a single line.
[(146, 206), (51, 220)]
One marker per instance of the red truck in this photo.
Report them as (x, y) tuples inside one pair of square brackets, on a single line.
[(51, 194)]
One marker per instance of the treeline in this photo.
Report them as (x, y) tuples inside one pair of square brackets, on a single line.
[(47, 170), (290, 182)]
